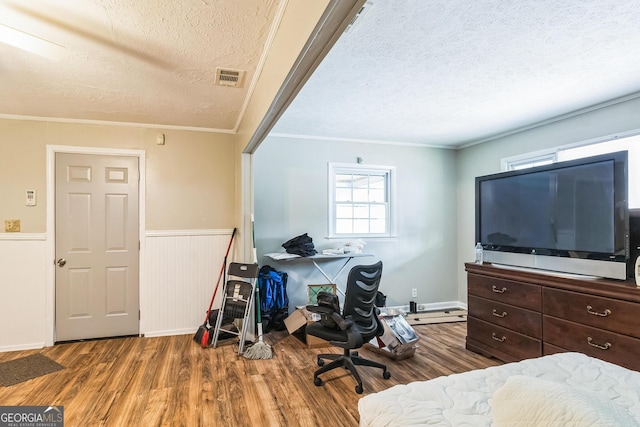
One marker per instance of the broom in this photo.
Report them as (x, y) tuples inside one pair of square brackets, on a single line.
[(204, 335), (259, 350)]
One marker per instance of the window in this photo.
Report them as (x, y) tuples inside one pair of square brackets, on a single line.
[(528, 161), (630, 144), (361, 200), (561, 154)]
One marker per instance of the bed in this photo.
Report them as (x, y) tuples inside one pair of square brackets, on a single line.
[(562, 389)]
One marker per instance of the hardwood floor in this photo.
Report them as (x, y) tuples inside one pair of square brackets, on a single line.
[(172, 381)]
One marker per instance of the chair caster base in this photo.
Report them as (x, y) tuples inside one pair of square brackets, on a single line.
[(317, 381)]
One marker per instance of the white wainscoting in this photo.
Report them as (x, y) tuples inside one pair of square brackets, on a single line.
[(180, 271), (22, 291)]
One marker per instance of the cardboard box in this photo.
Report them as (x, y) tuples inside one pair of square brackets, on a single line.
[(397, 341), (315, 342), (296, 324), (296, 320)]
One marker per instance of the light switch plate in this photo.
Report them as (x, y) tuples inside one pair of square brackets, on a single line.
[(12, 225), (31, 198)]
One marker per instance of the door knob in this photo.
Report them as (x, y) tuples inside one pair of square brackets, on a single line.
[(62, 262)]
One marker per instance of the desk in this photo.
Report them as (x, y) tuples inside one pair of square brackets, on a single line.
[(315, 259)]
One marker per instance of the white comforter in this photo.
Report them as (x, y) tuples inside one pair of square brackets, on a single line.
[(562, 389)]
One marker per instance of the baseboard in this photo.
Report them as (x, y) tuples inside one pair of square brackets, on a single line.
[(170, 332), (434, 306), (20, 347)]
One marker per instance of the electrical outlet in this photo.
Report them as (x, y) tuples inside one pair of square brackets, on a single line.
[(414, 293), (12, 225)]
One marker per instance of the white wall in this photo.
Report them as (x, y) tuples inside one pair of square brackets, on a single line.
[(22, 291), (291, 199), (181, 269), (483, 159)]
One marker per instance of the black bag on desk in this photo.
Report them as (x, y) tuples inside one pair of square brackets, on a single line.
[(300, 245)]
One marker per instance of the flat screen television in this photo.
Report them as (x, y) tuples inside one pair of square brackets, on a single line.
[(569, 217)]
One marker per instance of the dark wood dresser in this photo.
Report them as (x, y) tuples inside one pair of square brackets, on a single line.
[(514, 315)]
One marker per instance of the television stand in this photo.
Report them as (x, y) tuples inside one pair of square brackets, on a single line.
[(515, 315)]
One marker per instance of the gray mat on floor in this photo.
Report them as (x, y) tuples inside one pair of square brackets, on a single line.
[(26, 368)]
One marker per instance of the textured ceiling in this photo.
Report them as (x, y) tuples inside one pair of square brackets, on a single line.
[(136, 61), (452, 72), (433, 72)]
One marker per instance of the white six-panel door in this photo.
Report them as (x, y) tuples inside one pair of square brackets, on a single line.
[(97, 246)]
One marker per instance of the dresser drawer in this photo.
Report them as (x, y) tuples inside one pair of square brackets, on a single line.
[(523, 295), (604, 313), (503, 339), (548, 349), (605, 345), (518, 319)]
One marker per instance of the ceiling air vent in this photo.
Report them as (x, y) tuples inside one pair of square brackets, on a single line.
[(227, 77)]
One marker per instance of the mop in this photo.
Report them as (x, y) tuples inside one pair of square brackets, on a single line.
[(259, 350)]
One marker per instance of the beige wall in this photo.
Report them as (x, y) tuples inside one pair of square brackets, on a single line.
[(194, 181), (189, 181)]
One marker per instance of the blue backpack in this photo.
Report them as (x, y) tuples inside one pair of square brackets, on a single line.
[(274, 302)]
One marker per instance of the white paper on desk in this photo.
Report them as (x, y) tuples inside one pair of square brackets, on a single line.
[(339, 251), (281, 256)]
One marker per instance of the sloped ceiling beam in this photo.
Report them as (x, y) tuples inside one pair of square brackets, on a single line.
[(331, 25)]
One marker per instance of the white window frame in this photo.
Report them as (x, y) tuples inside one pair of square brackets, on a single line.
[(529, 160), (389, 172)]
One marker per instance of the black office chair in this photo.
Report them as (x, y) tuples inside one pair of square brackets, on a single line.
[(357, 325)]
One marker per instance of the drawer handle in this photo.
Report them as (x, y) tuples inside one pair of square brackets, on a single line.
[(495, 337), (495, 313), (499, 291), (605, 346), (606, 313)]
